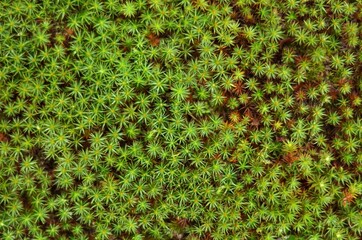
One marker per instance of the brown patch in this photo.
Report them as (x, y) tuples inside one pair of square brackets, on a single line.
[(300, 95), (182, 222), (154, 40), (190, 98), (87, 134), (233, 160), (234, 15), (69, 32), (255, 122), (348, 197), (291, 157), (290, 123), (217, 157), (240, 39), (299, 59), (222, 49), (252, 116), (353, 96), (285, 41), (343, 81), (4, 137), (248, 113), (299, 87), (228, 125), (238, 88), (227, 95), (207, 236), (333, 93)]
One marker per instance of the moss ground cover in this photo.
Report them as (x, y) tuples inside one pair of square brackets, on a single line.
[(180, 119)]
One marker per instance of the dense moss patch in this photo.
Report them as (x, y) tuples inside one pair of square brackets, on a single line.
[(191, 119)]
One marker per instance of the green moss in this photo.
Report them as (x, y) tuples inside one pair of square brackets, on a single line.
[(180, 119)]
